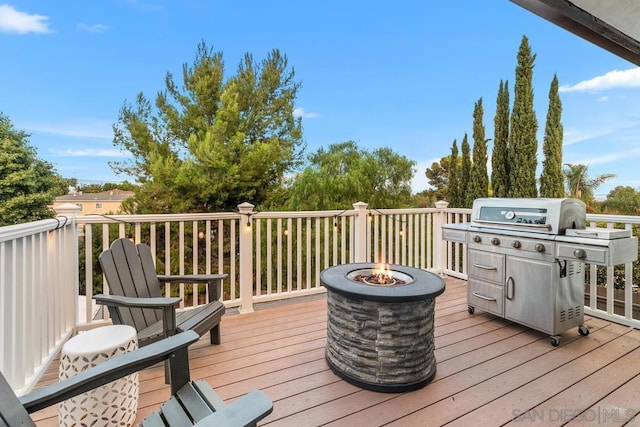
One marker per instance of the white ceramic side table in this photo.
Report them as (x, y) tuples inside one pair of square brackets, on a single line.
[(113, 404)]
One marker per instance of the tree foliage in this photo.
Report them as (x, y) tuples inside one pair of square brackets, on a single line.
[(454, 178), (578, 183), (28, 184), (107, 186), (479, 185), (438, 177), (466, 199), (552, 178), (212, 143), (523, 145), (499, 156), (344, 174), (622, 200)]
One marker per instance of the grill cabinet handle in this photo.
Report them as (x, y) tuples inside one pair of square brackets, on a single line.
[(475, 294), (510, 288), (485, 267), (586, 233)]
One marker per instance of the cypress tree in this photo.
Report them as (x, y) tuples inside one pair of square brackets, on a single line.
[(523, 145), (454, 180), (466, 199), (552, 178), (499, 158), (479, 176)]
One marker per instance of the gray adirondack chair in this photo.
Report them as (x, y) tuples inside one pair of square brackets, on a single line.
[(191, 403), (136, 300)]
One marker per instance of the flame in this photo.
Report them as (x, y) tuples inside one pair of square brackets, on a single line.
[(381, 270), (382, 274)]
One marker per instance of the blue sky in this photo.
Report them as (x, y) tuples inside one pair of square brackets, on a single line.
[(402, 74)]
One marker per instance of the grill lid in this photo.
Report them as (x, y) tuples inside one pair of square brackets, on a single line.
[(537, 215)]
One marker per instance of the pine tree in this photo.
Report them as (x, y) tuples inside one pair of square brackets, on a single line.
[(466, 199), (523, 145), (479, 176), (552, 178), (499, 157), (211, 142), (454, 180)]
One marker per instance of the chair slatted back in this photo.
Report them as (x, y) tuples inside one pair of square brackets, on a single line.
[(130, 272)]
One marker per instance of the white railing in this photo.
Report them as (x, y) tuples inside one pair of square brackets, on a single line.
[(604, 300), (38, 289), (267, 255)]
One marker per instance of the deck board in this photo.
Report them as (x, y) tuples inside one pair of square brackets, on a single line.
[(489, 369)]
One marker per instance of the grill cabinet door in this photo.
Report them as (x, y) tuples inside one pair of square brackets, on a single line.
[(529, 295)]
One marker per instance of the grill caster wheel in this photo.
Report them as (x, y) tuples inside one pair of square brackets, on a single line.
[(471, 310), (583, 330), (555, 341)]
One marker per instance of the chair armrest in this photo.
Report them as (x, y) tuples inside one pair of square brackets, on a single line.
[(213, 281), (191, 278), (113, 369), (120, 301)]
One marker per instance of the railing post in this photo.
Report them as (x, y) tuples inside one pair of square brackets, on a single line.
[(71, 211), (360, 238), (439, 244), (246, 257)]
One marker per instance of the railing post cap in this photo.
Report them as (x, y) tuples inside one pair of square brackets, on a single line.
[(245, 207), (360, 205), (68, 208), (442, 204)]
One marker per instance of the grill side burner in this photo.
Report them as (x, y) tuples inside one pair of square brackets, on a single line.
[(525, 260)]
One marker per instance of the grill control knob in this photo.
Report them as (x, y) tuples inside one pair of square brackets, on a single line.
[(539, 247), (580, 253), (477, 239), (516, 244), (495, 241)]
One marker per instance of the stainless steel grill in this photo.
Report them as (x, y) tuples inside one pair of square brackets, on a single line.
[(525, 259)]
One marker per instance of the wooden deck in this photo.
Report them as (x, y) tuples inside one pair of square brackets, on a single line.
[(490, 372)]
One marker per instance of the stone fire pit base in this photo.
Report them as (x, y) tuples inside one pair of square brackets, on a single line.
[(381, 342)]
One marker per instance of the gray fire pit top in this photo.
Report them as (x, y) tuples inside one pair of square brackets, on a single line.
[(423, 284)]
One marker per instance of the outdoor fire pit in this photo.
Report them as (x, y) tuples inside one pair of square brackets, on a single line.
[(380, 325)]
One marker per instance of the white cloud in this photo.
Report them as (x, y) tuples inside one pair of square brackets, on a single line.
[(598, 130), (90, 152), (299, 112), (611, 80), (573, 136), (87, 129), (94, 28), (609, 158), (13, 21)]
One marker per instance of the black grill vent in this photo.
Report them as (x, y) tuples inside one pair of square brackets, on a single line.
[(574, 268), (570, 313)]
